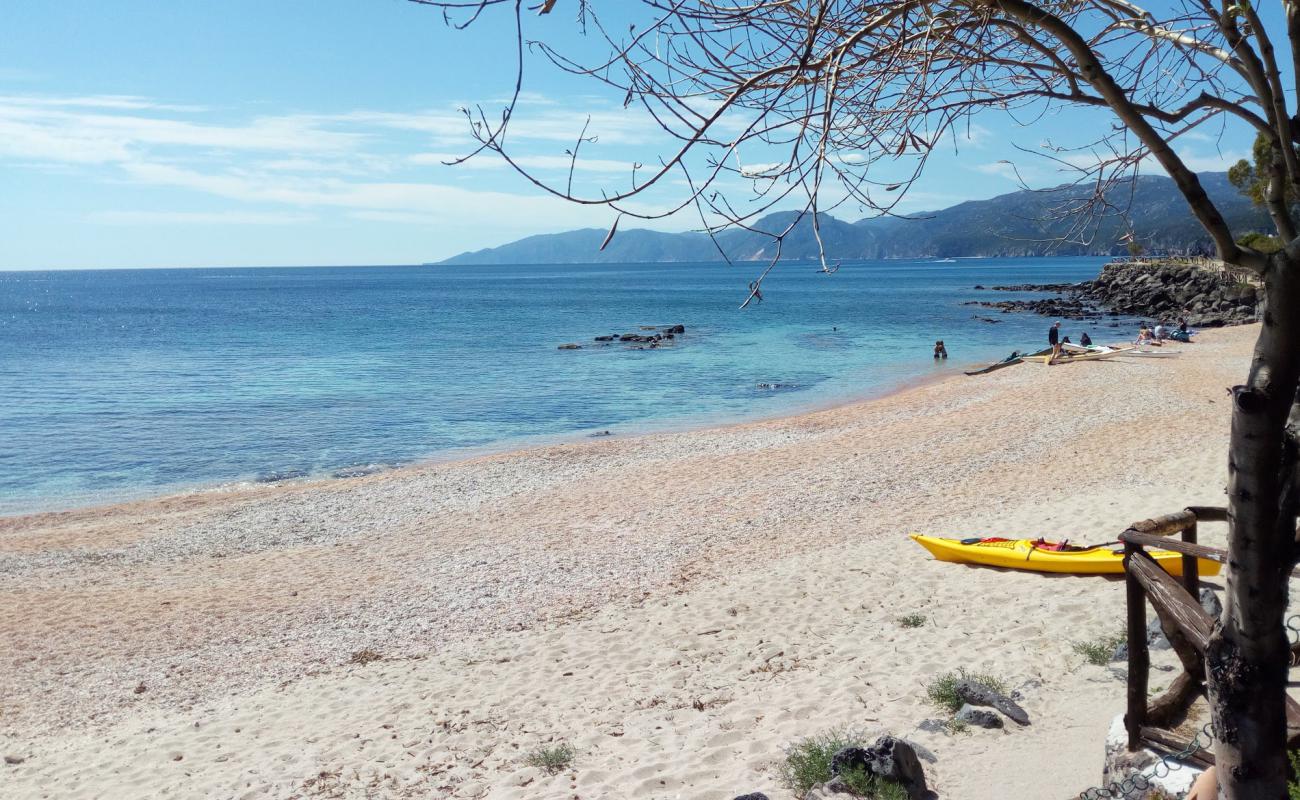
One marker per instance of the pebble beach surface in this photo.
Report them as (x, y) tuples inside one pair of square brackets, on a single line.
[(677, 607)]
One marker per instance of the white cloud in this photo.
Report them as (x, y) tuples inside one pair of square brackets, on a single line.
[(1002, 169), (361, 163), (199, 218), (560, 163), (1211, 162), (401, 217), (447, 202), (973, 134), (49, 131), (119, 102)]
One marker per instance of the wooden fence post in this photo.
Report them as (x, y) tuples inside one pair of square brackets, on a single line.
[(1191, 566), (1139, 658)]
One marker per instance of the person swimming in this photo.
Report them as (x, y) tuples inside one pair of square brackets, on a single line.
[(939, 350)]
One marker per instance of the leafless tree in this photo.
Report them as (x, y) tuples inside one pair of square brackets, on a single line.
[(845, 90)]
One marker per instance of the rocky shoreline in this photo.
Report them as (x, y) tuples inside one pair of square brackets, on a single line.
[(1158, 290)]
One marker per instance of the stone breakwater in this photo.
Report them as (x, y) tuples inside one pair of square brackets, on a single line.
[(1160, 290), (1207, 299)]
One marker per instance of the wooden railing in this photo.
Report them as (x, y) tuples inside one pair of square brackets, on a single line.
[(1185, 623)]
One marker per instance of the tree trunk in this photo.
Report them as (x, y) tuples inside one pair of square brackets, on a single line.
[(1248, 652)]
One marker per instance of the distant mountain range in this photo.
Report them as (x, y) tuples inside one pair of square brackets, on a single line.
[(1016, 224)]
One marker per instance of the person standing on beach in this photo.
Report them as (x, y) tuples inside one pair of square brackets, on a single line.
[(1054, 339)]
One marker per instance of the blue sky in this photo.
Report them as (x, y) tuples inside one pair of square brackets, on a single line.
[(147, 134)]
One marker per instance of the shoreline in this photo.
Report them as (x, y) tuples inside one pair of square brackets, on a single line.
[(504, 447), (679, 607)]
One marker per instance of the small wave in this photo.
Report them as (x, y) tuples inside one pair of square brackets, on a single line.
[(275, 476), (361, 470)]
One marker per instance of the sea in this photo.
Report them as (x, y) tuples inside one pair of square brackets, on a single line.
[(121, 384)]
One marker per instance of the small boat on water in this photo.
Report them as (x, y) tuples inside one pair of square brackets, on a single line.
[(1038, 555)]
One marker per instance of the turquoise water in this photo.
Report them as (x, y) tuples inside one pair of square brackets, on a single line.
[(126, 383)]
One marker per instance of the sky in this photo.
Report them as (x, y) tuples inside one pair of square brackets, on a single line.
[(140, 133)]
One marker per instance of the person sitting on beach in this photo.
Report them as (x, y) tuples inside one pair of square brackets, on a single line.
[(1159, 332), (939, 350), (1144, 335), (1085, 340), (1182, 325)]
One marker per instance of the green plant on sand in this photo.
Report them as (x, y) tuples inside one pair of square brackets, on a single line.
[(912, 620), (552, 759), (942, 691), (1098, 651), (808, 763), (955, 726)]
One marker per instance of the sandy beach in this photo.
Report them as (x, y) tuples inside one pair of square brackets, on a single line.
[(677, 607)]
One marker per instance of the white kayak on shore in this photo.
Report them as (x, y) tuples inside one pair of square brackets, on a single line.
[(1152, 353), (1126, 352), (1071, 353)]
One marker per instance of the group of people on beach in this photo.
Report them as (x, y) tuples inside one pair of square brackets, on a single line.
[(1156, 335), (1162, 331)]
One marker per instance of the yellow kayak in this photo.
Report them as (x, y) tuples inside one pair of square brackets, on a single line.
[(1030, 554)]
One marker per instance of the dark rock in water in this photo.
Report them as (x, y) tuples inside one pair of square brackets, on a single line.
[(275, 476), (1156, 289), (977, 286), (978, 717), (977, 694), (606, 338), (569, 346), (1036, 287), (752, 796), (675, 329)]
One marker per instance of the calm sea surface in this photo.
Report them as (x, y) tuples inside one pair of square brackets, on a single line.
[(125, 383)]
